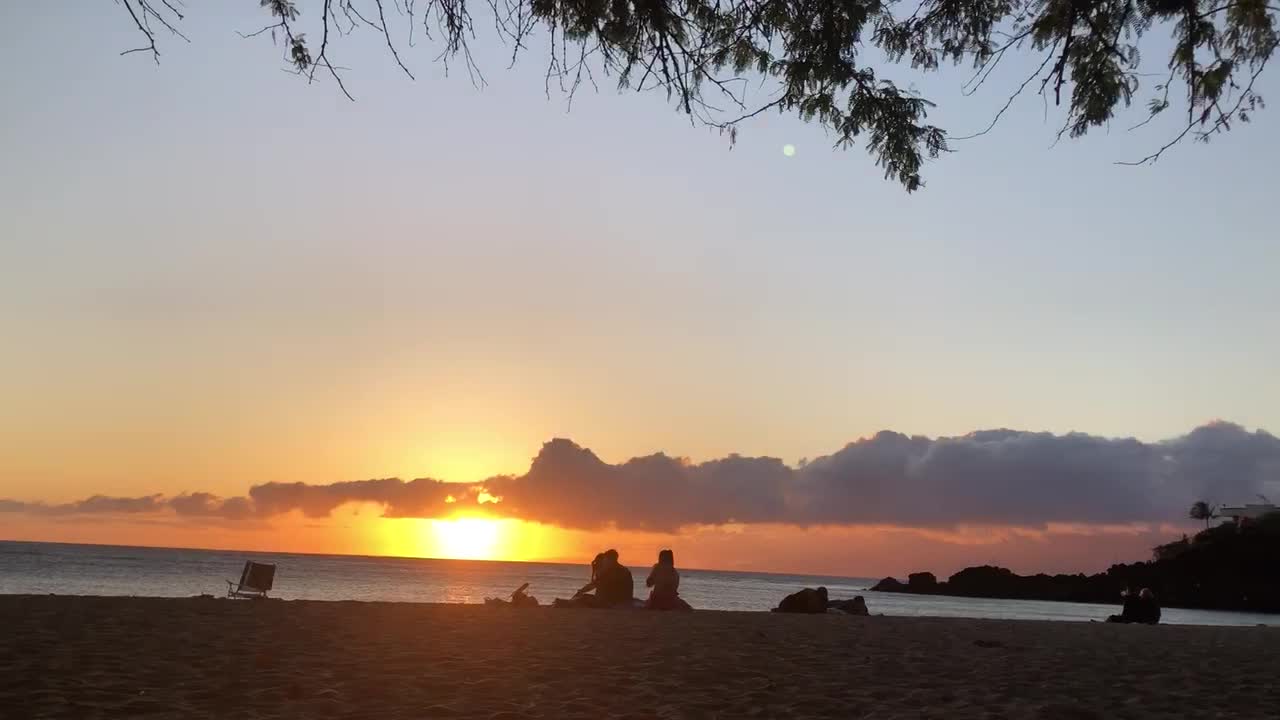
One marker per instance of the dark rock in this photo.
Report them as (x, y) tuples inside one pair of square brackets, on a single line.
[(806, 600), (889, 585), (855, 606), (984, 581), (922, 582)]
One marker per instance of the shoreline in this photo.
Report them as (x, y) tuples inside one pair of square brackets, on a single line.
[(1225, 611), (90, 657), (548, 607)]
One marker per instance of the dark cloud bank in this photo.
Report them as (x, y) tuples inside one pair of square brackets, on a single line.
[(987, 477)]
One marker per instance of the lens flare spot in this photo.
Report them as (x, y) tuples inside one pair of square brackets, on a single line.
[(789, 150)]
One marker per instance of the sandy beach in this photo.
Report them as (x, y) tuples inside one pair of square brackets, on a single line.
[(83, 657)]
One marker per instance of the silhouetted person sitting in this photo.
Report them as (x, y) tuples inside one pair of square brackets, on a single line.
[(1140, 608), (1129, 604), (596, 565), (1148, 610), (807, 600), (665, 582), (612, 582), (616, 587)]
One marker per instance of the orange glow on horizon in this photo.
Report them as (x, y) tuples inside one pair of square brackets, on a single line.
[(864, 551), (470, 537), (467, 538)]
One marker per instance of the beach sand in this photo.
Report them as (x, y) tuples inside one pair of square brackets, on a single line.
[(81, 657)]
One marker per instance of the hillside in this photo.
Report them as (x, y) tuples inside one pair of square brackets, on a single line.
[(1221, 568)]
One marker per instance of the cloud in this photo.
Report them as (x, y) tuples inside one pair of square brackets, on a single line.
[(990, 477), (423, 497), (568, 485), (1222, 462), (95, 505), (202, 504), (996, 476)]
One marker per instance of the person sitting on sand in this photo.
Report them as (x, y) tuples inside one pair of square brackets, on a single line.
[(1148, 611), (1128, 606), (665, 582), (616, 587), (596, 565), (612, 582), (1140, 608), (807, 600)]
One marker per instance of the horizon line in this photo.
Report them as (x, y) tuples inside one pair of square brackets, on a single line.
[(567, 562)]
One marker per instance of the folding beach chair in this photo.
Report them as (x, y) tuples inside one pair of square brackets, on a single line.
[(255, 581)]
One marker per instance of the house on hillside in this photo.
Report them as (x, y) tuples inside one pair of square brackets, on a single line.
[(1241, 514)]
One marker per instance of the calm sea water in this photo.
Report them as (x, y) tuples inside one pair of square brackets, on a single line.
[(40, 568)]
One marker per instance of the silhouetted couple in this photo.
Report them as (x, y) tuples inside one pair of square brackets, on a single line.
[(614, 587), (1141, 608), (611, 581)]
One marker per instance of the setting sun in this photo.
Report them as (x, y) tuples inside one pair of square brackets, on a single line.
[(466, 538), (469, 537)]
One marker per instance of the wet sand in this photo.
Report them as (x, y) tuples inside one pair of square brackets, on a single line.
[(82, 657)]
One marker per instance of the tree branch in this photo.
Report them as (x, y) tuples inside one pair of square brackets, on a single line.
[(1223, 118), (1048, 56), (146, 31), (383, 19)]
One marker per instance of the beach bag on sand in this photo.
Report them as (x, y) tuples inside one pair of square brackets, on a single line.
[(518, 599)]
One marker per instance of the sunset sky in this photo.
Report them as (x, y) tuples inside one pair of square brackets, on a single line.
[(228, 297)]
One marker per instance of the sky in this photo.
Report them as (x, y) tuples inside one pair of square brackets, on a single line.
[(216, 278)]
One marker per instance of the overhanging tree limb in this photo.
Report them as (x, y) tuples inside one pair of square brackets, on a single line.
[(813, 50)]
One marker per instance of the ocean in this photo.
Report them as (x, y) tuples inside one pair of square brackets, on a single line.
[(44, 568)]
